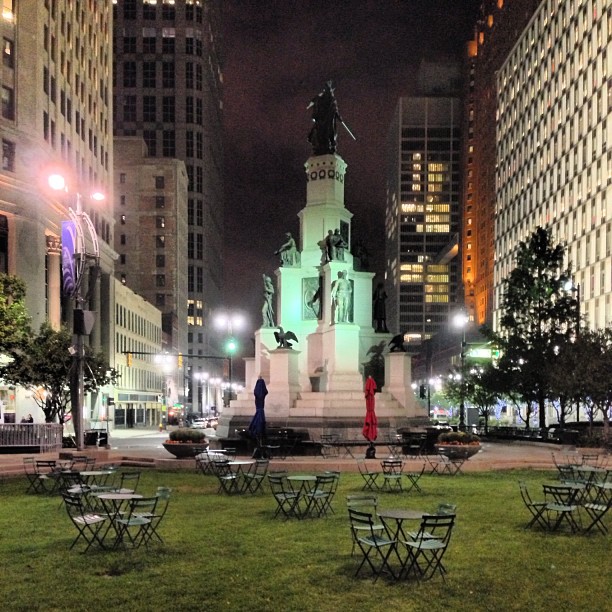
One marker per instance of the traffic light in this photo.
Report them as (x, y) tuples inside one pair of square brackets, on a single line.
[(231, 346), (110, 401), (179, 362), (423, 391), (128, 360)]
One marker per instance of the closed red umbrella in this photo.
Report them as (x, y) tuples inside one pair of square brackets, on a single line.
[(370, 427)]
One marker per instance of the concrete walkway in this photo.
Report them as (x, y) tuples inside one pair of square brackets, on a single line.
[(493, 456)]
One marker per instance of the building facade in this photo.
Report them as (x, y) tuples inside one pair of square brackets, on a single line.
[(422, 216), (145, 386), (499, 26), (151, 232), (554, 163), (56, 117), (167, 90)]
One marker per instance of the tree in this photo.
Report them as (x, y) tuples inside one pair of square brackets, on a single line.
[(479, 389), (44, 367), (14, 320), (537, 315), (594, 375)]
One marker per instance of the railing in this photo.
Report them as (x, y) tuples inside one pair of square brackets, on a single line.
[(46, 436)]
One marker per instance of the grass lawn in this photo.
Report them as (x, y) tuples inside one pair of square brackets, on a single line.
[(229, 553)]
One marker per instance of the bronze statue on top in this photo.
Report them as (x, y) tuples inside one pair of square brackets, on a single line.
[(323, 135)]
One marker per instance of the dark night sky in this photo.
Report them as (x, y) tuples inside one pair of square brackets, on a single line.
[(277, 56)]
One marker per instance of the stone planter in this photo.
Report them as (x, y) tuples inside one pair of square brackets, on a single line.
[(458, 451), (184, 450)]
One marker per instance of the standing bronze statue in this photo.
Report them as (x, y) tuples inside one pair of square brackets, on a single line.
[(379, 309), (267, 310), (323, 135), (288, 251)]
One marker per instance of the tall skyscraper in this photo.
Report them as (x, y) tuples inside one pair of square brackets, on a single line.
[(496, 32), (554, 166), (422, 216), (167, 90)]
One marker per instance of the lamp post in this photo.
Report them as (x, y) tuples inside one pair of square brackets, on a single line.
[(229, 322), (461, 320), (73, 232)]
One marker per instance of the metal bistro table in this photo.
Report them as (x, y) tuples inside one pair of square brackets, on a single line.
[(399, 516), (96, 478), (239, 469), (114, 504), (304, 485)]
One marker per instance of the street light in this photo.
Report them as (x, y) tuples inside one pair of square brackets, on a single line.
[(73, 269), (460, 320), (229, 322)]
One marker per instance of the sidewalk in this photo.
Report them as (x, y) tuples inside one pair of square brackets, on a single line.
[(493, 456)]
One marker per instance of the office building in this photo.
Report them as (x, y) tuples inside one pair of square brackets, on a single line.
[(56, 114), (500, 24), (422, 216), (167, 91), (554, 163)]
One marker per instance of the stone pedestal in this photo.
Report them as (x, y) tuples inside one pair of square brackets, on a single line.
[(398, 380), (341, 345), (284, 385)]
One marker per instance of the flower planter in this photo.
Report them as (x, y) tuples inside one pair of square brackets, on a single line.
[(458, 451), (184, 450)]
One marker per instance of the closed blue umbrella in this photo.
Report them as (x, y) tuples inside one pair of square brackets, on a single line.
[(257, 427)]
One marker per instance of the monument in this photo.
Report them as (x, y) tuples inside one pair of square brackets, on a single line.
[(326, 300)]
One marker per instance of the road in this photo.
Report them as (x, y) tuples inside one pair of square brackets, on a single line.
[(143, 440)]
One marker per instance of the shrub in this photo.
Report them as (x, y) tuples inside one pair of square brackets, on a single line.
[(196, 436), (458, 437)]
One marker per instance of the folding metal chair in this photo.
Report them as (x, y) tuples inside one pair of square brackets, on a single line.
[(596, 513), (427, 549), (329, 446), (375, 545), (286, 498), (228, 482), (131, 479), (367, 502), (137, 524), (38, 482), (368, 476), (536, 508), (443, 509), (392, 474), (254, 478), (87, 523), (151, 531), (559, 503), (320, 498), (414, 477)]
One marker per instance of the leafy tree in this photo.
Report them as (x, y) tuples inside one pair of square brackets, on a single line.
[(44, 366), (537, 315), (480, 389), (14, 320), (594, 375)]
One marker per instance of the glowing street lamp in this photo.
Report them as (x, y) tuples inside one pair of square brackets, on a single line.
[(73, 271), (229, 322)]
